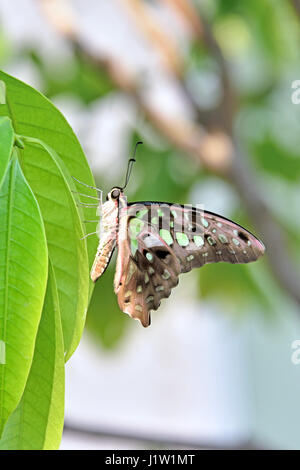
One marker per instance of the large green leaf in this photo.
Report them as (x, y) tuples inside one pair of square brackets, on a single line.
[(23, 278), (37, 422), (35, 117), (7, 138), (67, 250)]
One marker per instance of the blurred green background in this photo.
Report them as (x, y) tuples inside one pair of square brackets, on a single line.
[(174, 73)]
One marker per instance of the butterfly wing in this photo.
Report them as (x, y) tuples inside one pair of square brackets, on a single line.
[(145, 274), (162, 240)]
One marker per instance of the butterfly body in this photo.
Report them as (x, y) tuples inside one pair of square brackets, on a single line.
[(108, 237), (158, 241)]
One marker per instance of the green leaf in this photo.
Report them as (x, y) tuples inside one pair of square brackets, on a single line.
[(67, 250), (23, 278), (37, 422), (33, 115), (6, 143)]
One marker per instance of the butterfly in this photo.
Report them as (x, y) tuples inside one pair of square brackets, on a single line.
[(158, 241)]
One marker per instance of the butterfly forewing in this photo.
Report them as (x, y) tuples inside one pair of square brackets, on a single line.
[(198, 237)]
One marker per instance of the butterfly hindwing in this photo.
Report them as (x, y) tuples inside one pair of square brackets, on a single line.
[(149, 274)]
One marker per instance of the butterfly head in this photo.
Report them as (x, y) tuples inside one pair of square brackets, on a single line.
[(114, 194)]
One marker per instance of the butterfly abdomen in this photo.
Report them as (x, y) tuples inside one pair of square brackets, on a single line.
[(102, 258)]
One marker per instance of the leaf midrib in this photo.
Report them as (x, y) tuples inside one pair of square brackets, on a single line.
[(9, 217), (12, 116)]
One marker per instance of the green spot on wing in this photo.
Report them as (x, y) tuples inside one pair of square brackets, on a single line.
[(182, 239), (223, 238), (136, 226), (166, 275), (159, 288), (140, 214), (149, 256), (166, 236), (204, 222), (198, 240), (211, 241)]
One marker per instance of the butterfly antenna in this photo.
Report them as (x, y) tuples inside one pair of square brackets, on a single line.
[(130, 165)]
